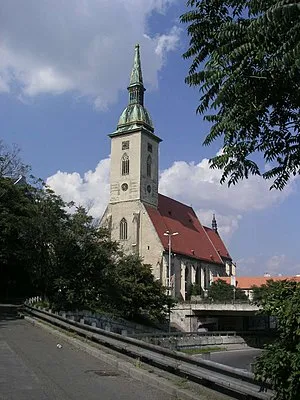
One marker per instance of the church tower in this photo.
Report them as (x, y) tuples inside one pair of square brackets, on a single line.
[(133, 171), (134, 147)]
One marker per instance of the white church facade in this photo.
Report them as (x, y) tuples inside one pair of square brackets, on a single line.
[(164, 232)]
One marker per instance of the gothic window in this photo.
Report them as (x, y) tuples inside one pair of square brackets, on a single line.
[(123, 229), (150, 147), (149, 166), (125, 164)]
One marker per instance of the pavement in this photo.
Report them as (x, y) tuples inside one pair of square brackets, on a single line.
[(34, 367)]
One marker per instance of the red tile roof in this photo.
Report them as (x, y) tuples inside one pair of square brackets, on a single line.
[(246, 282), (192, 239), (217, 242)]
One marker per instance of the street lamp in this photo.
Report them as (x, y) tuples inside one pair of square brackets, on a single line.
[(169, 234)]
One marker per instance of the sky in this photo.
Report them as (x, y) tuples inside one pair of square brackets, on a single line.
[(64, 70)]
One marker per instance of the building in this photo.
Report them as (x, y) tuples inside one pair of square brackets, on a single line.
[(161, 230), (246, 283)]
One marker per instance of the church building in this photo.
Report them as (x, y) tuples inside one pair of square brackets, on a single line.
[(165, 233)]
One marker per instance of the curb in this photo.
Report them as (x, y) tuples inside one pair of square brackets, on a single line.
[(126, 367)]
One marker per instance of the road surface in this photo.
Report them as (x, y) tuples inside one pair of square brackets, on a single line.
[(32, 367), (236, 358)]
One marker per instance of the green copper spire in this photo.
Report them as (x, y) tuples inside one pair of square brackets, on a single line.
[(135, 116), (136, 77), (136, 87)]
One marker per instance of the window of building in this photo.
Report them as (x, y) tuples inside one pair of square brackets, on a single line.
[(149, 166), (150, 147), (125, 164), (125, 145), (123, 229)]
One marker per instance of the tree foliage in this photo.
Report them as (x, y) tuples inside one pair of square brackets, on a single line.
[(246, 61), (11, 164), (220, 290), (280, 362), (65, 257)]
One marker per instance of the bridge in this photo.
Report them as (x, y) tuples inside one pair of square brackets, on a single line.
[(225, 316)]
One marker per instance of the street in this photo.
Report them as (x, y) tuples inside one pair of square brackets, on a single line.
[(33, 367), (236, 358)]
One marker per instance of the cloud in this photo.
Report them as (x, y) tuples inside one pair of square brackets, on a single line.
[(79, 46), (273, 265), (190, 183), (90, 191), (199, 185)]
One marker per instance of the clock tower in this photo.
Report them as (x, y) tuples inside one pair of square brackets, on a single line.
[(134, 148)]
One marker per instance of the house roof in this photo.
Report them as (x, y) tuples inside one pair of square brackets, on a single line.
[(246, 282), (192, 239), (217, 242)]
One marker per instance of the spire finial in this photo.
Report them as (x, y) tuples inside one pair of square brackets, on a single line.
[(214, 224), (136, 87)]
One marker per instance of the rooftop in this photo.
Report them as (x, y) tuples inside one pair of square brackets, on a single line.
[(193, 239)]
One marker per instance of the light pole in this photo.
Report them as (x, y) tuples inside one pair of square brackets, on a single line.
[(169, 234)]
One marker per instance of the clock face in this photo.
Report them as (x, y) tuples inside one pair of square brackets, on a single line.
[(124, 187), (149, 189)]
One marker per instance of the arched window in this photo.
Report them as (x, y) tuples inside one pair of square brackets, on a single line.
[(149, 166), (123, 229), (125, 164)]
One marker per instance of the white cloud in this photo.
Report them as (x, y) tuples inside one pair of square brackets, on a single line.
[(276, 264), (79, 45), (193, 184), (273, 265), (3, 85), (199, 185), (90, 191)]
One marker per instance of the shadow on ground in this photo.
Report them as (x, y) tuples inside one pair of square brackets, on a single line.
[(9, 312)]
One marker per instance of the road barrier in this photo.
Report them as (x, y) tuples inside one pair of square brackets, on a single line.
[(238, 383)]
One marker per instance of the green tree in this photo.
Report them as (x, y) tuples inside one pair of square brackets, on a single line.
[(11, 164), (259, 292), (16, 213), (83, 256), (245, 60), (135, 292), (280, 361), (219, 290)]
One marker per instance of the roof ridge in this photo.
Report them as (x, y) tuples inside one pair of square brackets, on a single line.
[(177, 201), (211, 242)]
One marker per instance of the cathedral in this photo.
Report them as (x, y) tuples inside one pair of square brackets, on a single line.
[(165, 233)]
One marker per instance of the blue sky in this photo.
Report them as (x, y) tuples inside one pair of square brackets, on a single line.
[(63, 77)]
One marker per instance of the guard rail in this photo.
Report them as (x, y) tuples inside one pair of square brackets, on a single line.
[(235, 382)]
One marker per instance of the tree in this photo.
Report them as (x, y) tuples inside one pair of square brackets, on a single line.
[(11, 164), (135, 291), (220, 290), (84, 255), (245, 60), (67, 258), (16, 213), (280, 361)]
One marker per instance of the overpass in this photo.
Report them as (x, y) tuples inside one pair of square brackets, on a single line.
[(195, 316)]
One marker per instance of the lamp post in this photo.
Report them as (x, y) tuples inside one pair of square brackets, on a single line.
[(169, 234)]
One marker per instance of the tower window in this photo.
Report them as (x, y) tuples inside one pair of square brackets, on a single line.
[(125, 145), (123, 229), (125, 164), (150, 147), (149, 166)]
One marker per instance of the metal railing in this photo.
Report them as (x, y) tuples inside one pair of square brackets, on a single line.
[(217, 376)]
